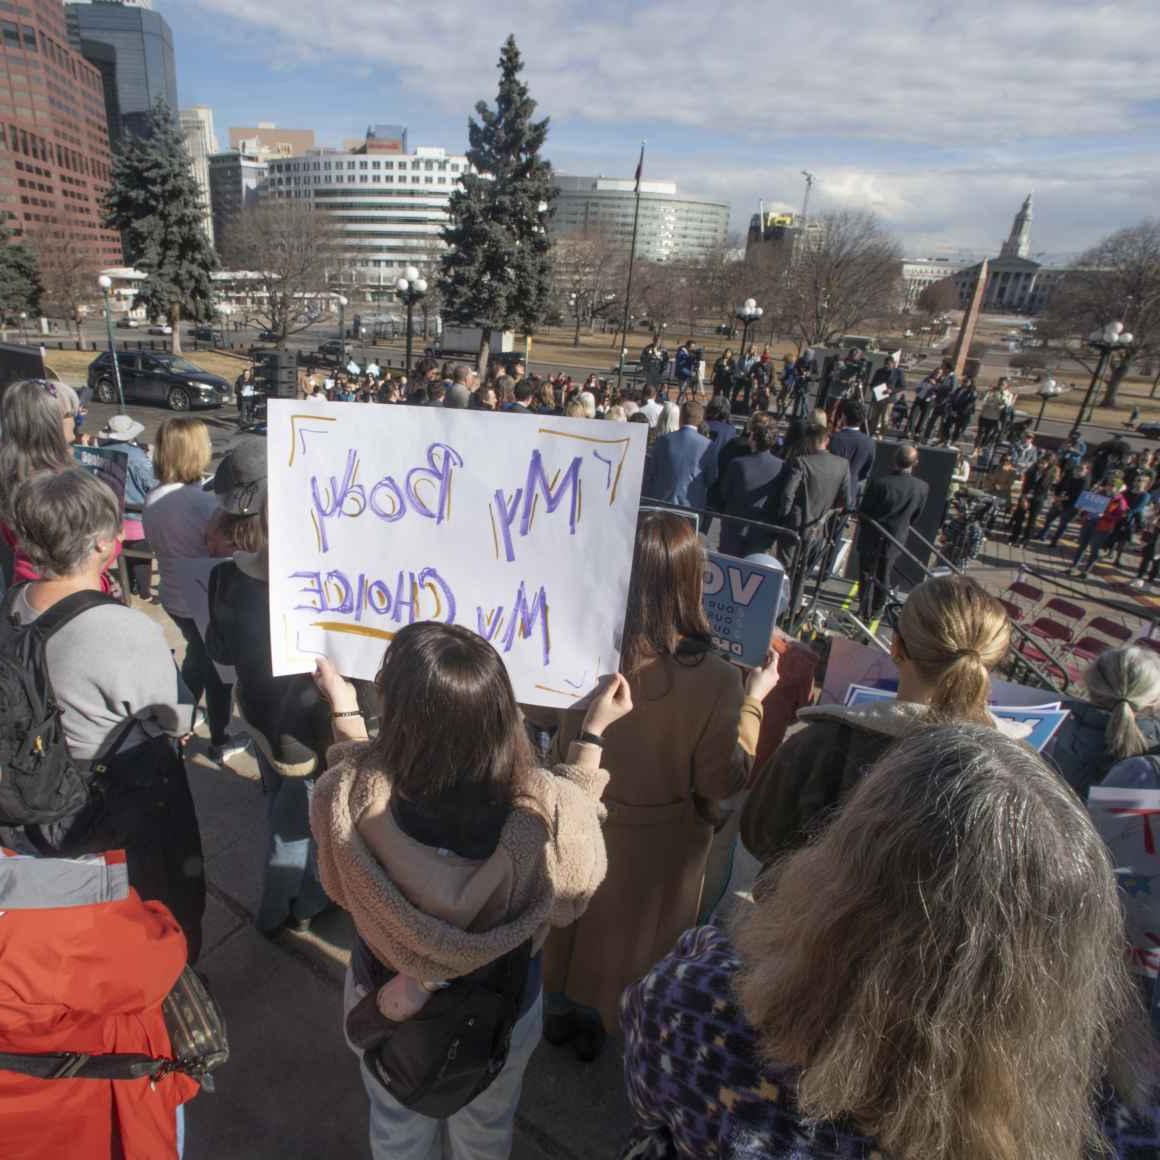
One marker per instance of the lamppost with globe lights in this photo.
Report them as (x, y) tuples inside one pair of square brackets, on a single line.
[(412, 288), (1107, 339), (342, 303), (1048, 391), (106, 284), (747, 314)]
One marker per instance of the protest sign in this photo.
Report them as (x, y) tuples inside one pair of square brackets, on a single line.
[(1126, 820), (519, 527), (742, 601), (1035, 724), (109, 464), (1092, 503)]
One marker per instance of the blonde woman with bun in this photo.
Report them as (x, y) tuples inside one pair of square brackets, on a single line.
[(951, 636)]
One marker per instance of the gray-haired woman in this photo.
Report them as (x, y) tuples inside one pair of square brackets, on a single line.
[(122, 701), (1116, 722)]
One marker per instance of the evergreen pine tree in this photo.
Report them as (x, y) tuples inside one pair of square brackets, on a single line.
[(155, 203), (19, 279), (497, 270)]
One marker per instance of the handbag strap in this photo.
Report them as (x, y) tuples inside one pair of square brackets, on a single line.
[(77, 1065)]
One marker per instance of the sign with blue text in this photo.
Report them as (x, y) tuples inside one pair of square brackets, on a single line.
[(519, 527), (741, 601)]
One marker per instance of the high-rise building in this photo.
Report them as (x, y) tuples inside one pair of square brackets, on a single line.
[(235, 180), (54, 142), (672, 227), (267, 141), (201, 143), (141, 70), (390, 205)]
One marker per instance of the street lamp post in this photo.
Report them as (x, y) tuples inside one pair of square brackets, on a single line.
[(342, 301), (412, 289), (1050, 390), (1106, 340), (747, 314), (106, 284), (23, 321)]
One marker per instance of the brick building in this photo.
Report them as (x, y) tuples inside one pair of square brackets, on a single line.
[(54, 139)]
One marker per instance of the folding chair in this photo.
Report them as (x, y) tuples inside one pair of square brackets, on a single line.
[(1021, 598)]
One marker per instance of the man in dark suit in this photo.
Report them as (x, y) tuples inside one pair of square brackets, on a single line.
[(682, 465), (852, 443), (894, 501), (748, 483)]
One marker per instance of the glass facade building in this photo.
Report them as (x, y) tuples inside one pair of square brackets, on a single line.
[(143, 70), (54, 142), (672, 227)]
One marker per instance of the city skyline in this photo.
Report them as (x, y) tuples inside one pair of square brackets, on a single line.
[(938, 119)]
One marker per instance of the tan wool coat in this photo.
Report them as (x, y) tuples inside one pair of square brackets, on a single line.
[(686, 745)]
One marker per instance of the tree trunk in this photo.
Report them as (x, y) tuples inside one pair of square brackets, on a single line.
[(1155, 386), (1114, 379), (576, 336), (175, 323), (484, 351)]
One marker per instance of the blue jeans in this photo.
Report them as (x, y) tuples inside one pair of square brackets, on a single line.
[(1089, 539), (291, 888)]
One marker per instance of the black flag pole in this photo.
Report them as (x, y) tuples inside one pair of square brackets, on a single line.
[(631, 263)]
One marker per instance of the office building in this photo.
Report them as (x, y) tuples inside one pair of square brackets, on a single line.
[(266, 141), (389, 204), (673, 227), (201, 143), (235, 180), (140, 71), (778, 235), (54, 142)]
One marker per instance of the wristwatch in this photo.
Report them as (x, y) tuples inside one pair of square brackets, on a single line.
[(591, 738)]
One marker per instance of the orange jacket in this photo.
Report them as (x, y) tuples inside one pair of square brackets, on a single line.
[(84, 967)]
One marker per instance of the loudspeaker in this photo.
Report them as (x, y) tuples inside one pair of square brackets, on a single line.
[(277, 373), (935, 465)]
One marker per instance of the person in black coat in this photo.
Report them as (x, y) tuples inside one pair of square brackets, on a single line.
[(748, 483), (852, 443), (893, 501)]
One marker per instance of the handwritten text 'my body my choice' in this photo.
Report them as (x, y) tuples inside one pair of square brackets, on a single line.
[(425, 492)]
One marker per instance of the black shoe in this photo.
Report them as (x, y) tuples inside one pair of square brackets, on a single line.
[(589, 1041), (561, 1027)]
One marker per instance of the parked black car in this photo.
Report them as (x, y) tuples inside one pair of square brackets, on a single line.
[(157, 378), (204, 333), (331, 350)]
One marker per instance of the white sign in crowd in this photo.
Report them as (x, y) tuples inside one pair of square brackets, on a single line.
[(519, 527)]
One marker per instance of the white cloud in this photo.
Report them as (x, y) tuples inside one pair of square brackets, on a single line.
[(902, 70), (1007, 91)]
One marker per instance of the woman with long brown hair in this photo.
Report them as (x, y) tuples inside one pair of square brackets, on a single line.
[(951, 635), (451, 850), (939, 976), (688, 747)]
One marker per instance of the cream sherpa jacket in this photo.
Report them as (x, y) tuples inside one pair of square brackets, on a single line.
[(548, 864)]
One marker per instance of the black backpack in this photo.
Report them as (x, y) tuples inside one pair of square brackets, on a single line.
[(444, 1056), (39, 781)]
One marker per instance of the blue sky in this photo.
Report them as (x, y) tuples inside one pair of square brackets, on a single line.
[(938, 117)]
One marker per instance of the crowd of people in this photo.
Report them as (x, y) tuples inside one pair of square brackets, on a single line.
[(933, 967)]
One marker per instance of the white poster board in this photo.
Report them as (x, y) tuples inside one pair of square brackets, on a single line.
[(519, 527)]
